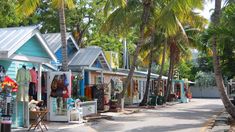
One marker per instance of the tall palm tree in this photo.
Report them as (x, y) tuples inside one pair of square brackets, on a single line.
[(174, 15), (167, 19), (180, 50), (162, 66), (27, 7), (145, 18), (153, 49), (146, 91), (216, 63), (122, 19)]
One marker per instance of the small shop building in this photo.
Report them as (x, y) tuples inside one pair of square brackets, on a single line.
[(23, 49)]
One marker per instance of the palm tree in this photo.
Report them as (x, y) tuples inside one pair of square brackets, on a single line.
[(162, 66), (146, 91), (180, 50), (120, 20), (153, 50), (27, 7), (145, 18), (216, 63), (172, 19), (167, 19)]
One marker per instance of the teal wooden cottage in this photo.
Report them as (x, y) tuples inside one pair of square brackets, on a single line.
[(24, 46)]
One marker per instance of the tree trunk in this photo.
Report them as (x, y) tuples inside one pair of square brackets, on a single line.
[(230, 108), (63, 37), (169, 81), (145, 98), (145, 19), (162, 66), (170, 71), (124, 53)]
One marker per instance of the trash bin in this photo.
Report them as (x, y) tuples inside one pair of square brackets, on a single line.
[(152, 100), (6, 123), (160, 100)]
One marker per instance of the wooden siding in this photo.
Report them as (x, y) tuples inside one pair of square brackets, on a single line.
[(97, 64), (71, 50), (11, 67), (32, 48)]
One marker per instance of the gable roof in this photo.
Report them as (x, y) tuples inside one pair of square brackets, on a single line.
[(54, 40), (86, 57), (11, 39)]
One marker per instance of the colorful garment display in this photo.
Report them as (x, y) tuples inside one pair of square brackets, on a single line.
[(33, 83), (23, 78), (98, 93), (59, 86), (32, 89), (88, 92), (10, 83), (23, 75), (2, 73), (136, 90), (34, 75)]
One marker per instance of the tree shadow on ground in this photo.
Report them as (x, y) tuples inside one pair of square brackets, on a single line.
[(179, 127), (105, 126), (196, 113)]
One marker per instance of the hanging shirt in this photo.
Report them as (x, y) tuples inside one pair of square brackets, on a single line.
[(23, 76), (34, 75)]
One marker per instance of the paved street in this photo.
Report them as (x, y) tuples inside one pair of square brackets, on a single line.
[(187, 117)]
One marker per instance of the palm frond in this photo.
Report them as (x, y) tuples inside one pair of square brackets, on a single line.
[(27, 7), (70, 4), (58, 3), (123, 19), (113, 4)]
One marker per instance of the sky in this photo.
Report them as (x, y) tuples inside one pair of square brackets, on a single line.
[(208, 9), (206, 12)]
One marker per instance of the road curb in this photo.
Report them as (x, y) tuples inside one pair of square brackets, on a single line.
[(210, 122)]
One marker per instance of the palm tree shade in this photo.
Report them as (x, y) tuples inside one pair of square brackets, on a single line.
[(230, 108), (145, 19), (29, 6)]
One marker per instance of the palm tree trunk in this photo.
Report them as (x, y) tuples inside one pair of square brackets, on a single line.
[(216, 62), (63, 37), (145, 19), (145, 98), (170, 71), (124, 54), (162, 66), (169, 81)]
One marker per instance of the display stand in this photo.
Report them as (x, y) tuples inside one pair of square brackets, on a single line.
[(7, 103), (57, 105)]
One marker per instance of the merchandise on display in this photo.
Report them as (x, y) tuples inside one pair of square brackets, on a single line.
[(7, 100)]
